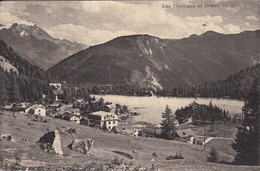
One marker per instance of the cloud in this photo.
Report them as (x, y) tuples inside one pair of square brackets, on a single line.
[(252, 17), (84, 35), (8, 19), (247, 24), (96, 22), (9, 12), (230, 28)]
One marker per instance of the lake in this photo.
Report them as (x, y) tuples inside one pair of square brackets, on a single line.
[(151, 108)]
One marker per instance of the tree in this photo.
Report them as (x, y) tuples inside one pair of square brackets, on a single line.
[(104, 126), (101, 103), (14, 94), (3, 96), (213, 155), (168, 125), (247, 139)]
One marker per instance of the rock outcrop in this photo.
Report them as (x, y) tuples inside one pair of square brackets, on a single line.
[(51, 142), (82, 146), (6, 137)]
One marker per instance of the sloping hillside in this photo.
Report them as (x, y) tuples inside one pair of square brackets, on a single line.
[(25, 135), (37, 46), (236, 86), (6, 65), (148, 61), (19, 79)]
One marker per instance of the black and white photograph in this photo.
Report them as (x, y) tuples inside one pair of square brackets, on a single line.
[(130, 85)]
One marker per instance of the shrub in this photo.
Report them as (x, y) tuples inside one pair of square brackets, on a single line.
[(172, 157), (213, 155)]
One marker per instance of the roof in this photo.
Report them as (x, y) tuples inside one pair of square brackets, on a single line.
[(101, 113), (143, 123), (151, 130), (185, 133), (110, 106), (36, 106), (83, 118), (54, 83), (126, 130), (67, 114)]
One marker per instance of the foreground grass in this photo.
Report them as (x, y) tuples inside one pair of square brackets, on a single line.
[(107, 146)]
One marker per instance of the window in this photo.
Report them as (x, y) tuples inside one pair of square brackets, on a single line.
[(114, 122), (109, 122), (109, 127)]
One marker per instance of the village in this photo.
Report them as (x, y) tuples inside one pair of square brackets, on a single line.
[(114, 118)]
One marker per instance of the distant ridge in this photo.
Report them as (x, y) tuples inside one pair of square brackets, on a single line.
[(148, 61), (37, 46)]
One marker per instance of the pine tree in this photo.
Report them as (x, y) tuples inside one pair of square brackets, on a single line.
[(213, 155), (14, 93), (101, 104), (168, 125), (247, 138), (3, 95), (104, 126)]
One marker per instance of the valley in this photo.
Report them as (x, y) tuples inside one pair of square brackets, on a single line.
[(133, 100)]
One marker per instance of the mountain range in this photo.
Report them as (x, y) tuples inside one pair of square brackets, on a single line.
[(148, 61), (37, 46)]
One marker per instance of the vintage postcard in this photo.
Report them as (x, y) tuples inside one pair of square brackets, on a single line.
[(130, 85)]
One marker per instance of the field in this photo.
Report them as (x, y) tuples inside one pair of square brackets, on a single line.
[(106, 147)]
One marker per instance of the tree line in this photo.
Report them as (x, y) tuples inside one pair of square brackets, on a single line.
[(201, 113), (235, 86), (28, 84)]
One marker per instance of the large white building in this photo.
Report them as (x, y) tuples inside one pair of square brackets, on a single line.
[(99, 118)]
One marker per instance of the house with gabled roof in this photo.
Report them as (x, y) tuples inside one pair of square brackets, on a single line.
[(36, 110), (185, 134), (150, 132)]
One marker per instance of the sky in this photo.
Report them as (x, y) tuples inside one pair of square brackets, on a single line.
[(95, 22)]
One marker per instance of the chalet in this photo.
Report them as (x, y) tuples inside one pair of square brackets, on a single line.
[(99, 118), (80, 103), (75, 119), (8, 107), (150, 132), (20, 107), (55, 106), (125, 130), (104, 88), (141, 124), (185, 134), (198, 140), (36, 110), (65, 116), (56, 86), (110, 108)]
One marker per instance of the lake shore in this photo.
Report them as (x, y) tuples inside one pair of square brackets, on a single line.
[(151, 108)]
